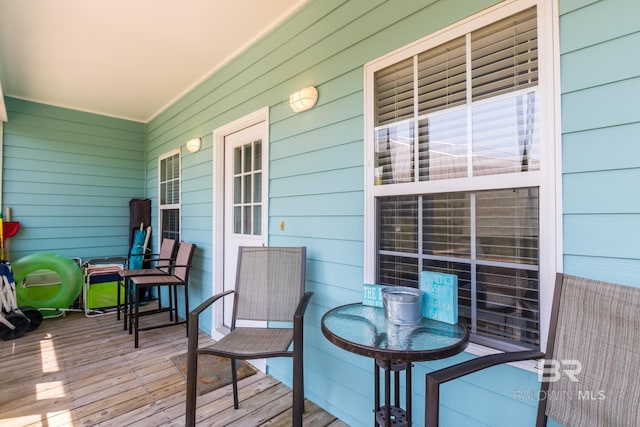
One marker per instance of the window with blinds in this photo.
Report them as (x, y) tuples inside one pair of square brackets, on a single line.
[(169, 198), (466, 109)]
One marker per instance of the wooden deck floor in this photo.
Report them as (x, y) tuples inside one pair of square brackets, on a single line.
[(79, 371)]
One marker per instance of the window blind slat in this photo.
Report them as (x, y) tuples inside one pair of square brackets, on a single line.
[(505, 56), (442, 77), (394, 92)]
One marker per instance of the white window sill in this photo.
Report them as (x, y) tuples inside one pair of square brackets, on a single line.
[(480, 350)]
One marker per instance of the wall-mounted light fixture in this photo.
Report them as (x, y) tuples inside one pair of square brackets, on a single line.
[(194, 145), (303, 99)]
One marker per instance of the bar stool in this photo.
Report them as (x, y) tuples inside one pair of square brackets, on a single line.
[(179, 277)]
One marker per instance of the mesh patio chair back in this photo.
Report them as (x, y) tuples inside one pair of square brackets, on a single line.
[(269, 283), (183, 261), (591, 364), (597, 338), (165, 256)]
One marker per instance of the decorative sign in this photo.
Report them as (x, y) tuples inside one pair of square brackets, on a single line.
[(440, 296), (371, 294)]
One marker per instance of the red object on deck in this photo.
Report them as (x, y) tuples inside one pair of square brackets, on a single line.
[(10, 228)]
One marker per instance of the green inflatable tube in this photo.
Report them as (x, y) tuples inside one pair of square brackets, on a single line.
[(68, 271)]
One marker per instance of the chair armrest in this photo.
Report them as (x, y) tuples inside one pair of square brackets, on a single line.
[(302, 305), (435, 378), (479, 363), (298, 321), (193, 328), (298, 338), (206, 303)]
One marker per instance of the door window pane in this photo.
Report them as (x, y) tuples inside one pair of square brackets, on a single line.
[(257, 220), (247, 189)]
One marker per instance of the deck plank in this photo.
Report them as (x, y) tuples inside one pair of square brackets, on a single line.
[(83, 371)]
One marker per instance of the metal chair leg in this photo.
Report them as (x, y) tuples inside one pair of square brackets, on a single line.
[(234, 379)]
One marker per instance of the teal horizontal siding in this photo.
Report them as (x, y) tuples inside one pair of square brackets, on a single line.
[(585, 151), (600, 123), (347, 203), (68, 177), (602, 192), (597, 60), (599, 267), (587, 23), (611, 236), (602, 106), (327, 227)]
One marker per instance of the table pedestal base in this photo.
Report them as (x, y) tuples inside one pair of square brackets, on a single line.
[(398, 417), (395, 416)]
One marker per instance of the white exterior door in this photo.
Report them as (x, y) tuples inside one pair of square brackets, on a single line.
[(240, 195), (245, 191)]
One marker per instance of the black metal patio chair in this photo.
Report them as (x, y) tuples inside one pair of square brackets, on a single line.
[(269, 288), (596, 327)]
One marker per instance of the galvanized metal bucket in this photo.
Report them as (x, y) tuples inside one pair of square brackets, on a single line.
[(402, 305)]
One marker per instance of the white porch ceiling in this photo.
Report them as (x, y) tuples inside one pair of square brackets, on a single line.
[(124, 58)]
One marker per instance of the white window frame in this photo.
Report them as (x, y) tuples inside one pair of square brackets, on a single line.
[(177, 206), (548, 177)]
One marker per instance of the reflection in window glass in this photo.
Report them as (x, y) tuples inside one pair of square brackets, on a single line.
[(505, 135), (442, 145), (394, 154)]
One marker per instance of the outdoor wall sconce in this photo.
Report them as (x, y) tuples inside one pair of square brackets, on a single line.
[(303, 99), (194, 145)]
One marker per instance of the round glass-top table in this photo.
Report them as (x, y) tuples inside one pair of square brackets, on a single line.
[(364, 330)]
